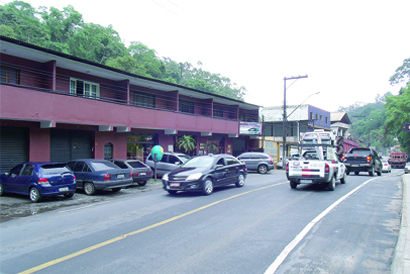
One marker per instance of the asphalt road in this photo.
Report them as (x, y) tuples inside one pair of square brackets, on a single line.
[(261, 228)]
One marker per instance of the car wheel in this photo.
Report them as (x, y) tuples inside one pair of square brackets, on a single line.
[(89, 188), (1, 189), (379, 173), (293, 185), (142, 183), (343, 180), (172, 192), (34, 195), (262, 169), (347, 172), (332, 184), (116, 189), (69, 195), (241, 180), (356, 173), (208, 187), (371, 172)]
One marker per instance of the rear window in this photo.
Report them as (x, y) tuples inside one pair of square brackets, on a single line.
[(100, 166), (136, 164), (361, 152), (55, 169)]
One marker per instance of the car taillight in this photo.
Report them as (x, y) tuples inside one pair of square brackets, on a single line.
[(43, 181), (287, 166), (369, 159), (343, 158), (271, 160), (74, 177), (107, 177), (130, 173), (326, 168)]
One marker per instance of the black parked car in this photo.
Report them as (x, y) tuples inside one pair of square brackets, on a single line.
[(95, 174), (141, 173), (203, 173)]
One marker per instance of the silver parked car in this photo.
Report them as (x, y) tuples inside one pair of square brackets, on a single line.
[(407, 168), (257, 161), (169, 162)]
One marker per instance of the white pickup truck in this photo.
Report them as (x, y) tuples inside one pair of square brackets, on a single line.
[(318, 164)]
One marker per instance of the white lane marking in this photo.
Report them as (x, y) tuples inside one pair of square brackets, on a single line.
[(78, 208), (286, 251)]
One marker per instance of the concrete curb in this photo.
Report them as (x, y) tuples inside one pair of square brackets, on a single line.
[(401, 258)]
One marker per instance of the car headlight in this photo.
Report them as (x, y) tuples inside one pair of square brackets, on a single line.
[(165, 177), (194, 177)]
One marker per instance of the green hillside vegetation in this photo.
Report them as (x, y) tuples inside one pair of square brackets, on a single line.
[(65, 31)]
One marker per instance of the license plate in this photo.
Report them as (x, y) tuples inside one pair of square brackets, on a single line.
[(63, 189), (143, 173), (120, 176), (174, 184), (355, 165), (306, 181)]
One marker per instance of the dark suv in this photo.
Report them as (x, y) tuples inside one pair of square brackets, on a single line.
[(360, 159), (169, 162), (257, 161)]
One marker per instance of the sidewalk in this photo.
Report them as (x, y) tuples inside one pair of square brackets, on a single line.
[(401, 258)]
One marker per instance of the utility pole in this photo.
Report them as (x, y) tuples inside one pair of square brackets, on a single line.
[(285, 117)]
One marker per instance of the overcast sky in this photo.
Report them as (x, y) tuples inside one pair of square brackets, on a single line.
[(348, 49)]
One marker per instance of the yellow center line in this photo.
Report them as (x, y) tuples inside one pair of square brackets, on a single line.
[(116, 239)]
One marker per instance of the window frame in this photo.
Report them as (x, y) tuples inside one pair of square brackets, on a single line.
[(89, 89), (6, 78), (186, 106), (144, 100)]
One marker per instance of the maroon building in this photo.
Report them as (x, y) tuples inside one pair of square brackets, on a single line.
[(56, 107)]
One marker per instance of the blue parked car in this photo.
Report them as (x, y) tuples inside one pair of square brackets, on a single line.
[(97, 174), (38, 180)]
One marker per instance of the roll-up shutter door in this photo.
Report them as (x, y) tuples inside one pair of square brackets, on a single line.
[(67, 145), (13, 147)]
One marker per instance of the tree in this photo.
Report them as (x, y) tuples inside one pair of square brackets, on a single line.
[(402, 73), (187, 143), (398, 112)]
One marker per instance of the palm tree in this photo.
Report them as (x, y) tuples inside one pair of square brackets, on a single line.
[(187, 143)]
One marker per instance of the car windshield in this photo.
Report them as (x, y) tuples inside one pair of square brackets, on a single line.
[(184, 158), (200, 162), (99, 166)]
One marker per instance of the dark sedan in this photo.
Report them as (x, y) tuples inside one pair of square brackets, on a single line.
[(203, 173), (141, 173), (39, 180), (95, 174)]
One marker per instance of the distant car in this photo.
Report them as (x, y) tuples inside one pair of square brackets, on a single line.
[(169, 162), (96, 174), (141, 173), (407, 168), (257, 161), (204, 173), (39, 180), (386, 166)]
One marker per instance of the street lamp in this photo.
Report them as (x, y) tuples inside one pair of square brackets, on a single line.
[(285, 116)]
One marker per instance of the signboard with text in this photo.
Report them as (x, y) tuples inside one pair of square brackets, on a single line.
[(250, 128)]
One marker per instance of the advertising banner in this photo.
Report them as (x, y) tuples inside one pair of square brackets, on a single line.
[(250, 128)]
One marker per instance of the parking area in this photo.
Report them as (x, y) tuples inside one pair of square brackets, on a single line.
[(15, 206)]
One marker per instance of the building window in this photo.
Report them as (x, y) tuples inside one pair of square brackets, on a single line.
[(326, 119), (108, 151), (316, 116), (186, 106), (84, 88), (9, 75), (144, 100), (218, 112), (321, 118), (311, 115)]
